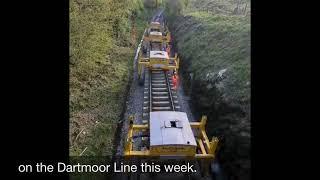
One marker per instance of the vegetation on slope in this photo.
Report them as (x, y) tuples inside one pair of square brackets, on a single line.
[(226, 7), (103, 36), (213, 40)]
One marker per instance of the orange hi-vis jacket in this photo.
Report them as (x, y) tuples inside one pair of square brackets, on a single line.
[(168, 50), (175, 81)]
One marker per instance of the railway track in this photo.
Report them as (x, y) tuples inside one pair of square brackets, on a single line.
[(159, 93), (164, 129)]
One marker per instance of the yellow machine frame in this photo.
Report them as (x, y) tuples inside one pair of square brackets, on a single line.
[(157, 26), (148, 63), (208, 148), (154, 38)]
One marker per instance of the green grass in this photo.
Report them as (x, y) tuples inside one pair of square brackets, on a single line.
[(210, 43), (226, 7), (101, 56)]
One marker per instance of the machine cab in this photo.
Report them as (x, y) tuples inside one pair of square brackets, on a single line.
[(155, 32), (159, 59), (155, 27), (171, 134)]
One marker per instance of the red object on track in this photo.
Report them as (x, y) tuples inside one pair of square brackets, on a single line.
[(175, 80)]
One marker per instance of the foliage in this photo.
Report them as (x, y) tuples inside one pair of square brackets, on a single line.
[(213, 42), (174, 7), (227, 7), (101, 54)]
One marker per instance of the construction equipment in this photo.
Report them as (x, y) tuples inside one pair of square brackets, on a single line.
[(171, 134), (153, 54), (165, 130)]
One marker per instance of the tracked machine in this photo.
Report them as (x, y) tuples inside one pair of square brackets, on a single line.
[(165, 130)]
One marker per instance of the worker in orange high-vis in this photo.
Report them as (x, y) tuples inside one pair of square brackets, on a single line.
[(168, 50), (175, 80)]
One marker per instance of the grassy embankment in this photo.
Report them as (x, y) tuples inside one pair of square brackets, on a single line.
[(101, 54), (213, 40)]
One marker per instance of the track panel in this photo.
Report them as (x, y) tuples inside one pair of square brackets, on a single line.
[(159, 94)]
